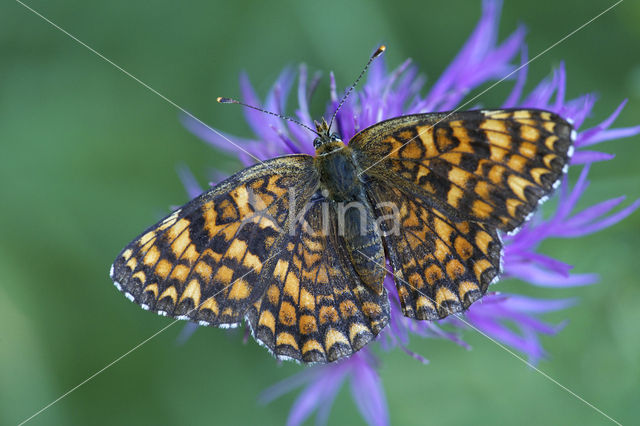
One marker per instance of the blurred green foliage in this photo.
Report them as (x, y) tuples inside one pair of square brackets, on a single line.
[(88, 160)]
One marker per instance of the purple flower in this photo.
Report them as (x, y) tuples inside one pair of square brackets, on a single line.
[(510, 319)]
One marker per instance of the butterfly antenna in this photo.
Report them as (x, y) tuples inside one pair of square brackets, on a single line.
[(222, 100), (377, 53)]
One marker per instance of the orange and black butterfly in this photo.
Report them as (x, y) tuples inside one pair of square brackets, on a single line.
[(298, 246)]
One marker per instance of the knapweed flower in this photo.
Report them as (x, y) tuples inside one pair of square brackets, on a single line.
[(513, 320)]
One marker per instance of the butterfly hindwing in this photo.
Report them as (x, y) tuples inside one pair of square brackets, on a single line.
[(440, 266), (487, 166), (203, 261), (315, 309)]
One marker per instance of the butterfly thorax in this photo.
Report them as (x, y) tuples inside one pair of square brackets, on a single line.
[(356, 224), (338, 171)]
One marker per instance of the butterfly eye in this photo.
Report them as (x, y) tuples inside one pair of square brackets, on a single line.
[(317, 142), (335, 137)]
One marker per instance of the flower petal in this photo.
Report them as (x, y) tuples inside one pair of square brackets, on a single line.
[(589, 134), (521, 79), (588, 157), (311, 398), (478, 61), (605, 223), (541, 277), (189, 181), (368, 394)]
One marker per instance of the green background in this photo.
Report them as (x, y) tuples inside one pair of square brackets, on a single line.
[(89, 159)]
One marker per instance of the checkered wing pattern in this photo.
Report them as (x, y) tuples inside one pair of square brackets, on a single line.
[(457, 180), (440, 266), (316, 308), (203, 262), (490, 167)]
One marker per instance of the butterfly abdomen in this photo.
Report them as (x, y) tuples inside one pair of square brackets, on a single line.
[(356, 221), (357, 225)]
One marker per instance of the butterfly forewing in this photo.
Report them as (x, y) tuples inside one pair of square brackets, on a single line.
[(203, 261), (487, 166)]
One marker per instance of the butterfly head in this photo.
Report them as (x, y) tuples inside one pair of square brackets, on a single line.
[(325, 137)]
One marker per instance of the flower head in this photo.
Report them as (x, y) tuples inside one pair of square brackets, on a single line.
[(510, 319)]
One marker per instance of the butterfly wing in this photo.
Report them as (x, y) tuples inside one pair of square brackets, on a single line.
[(203, 261), (440, 266), (257, 246), (316, 308), (485, 166), (456, 180)]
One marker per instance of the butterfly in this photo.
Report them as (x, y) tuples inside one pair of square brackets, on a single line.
[(298, 246)]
